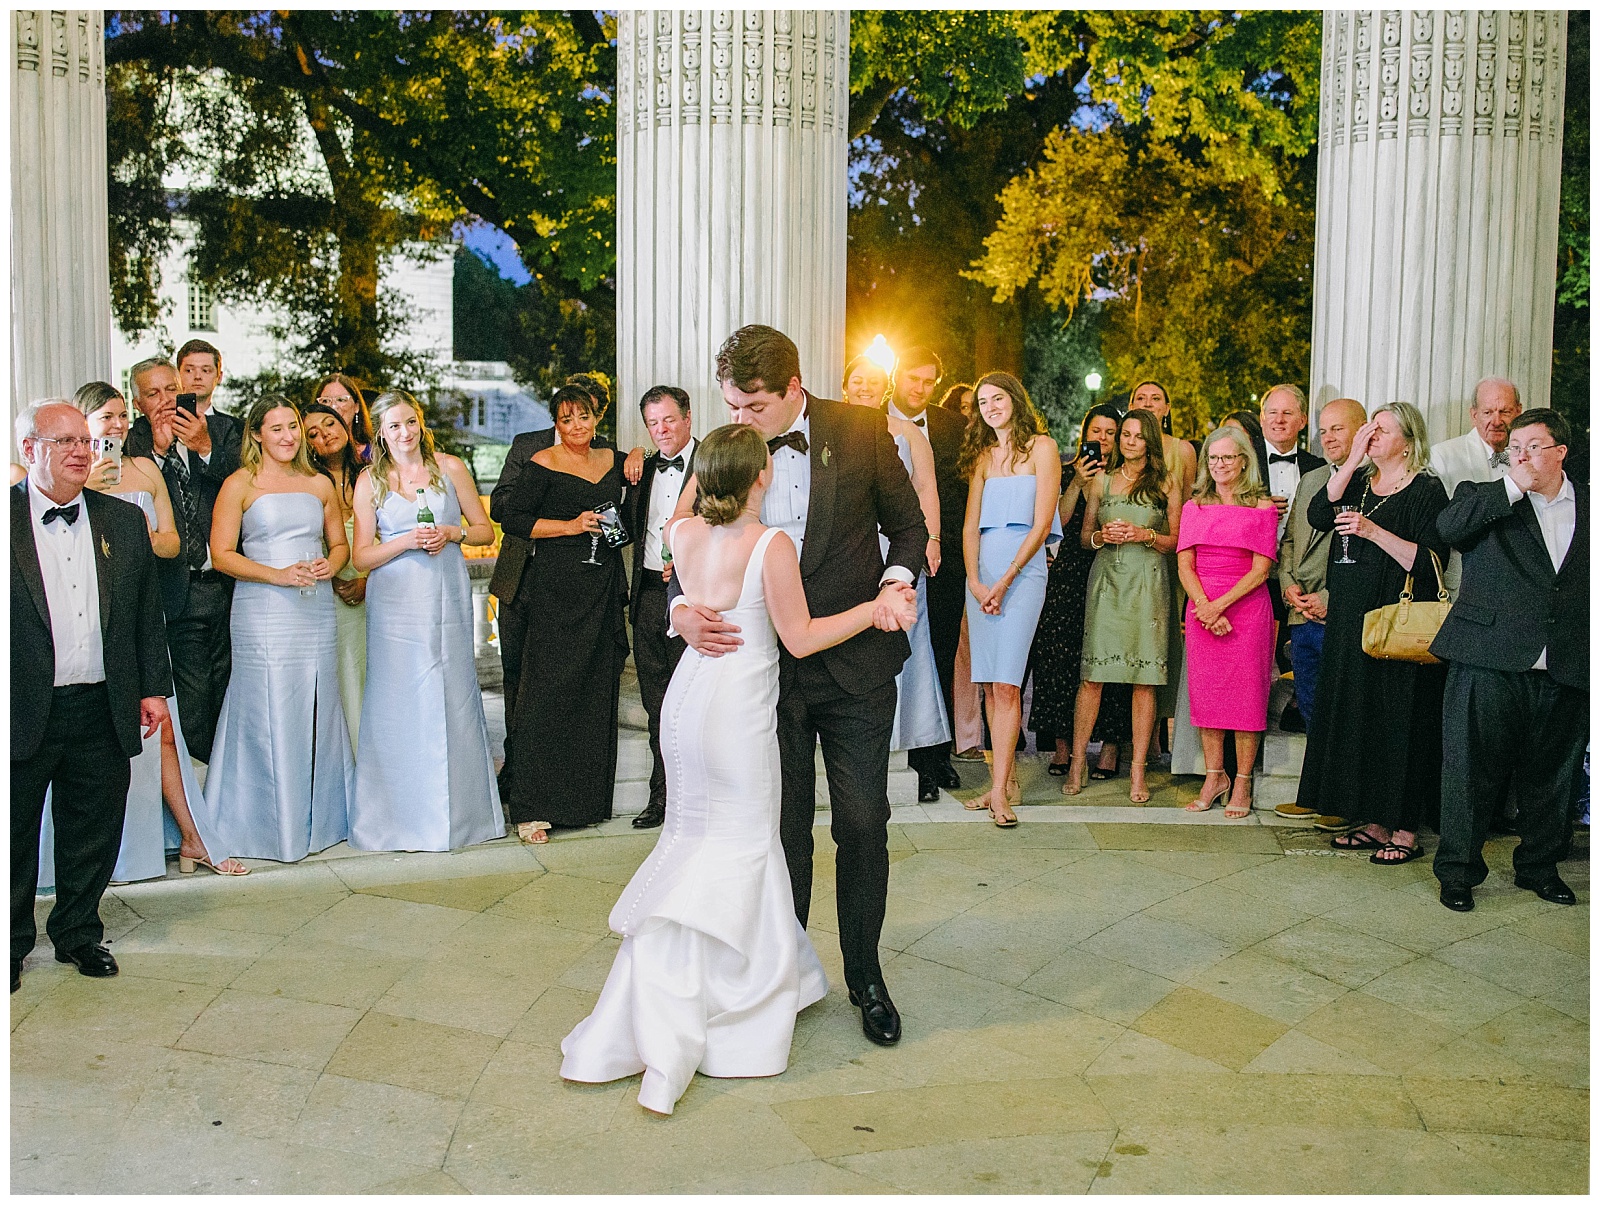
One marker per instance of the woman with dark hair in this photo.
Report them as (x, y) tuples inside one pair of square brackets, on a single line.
[(564, 733), (425, 780), (333, 454), (281, 773), (1058, 642), (1131, 523), (1014, 470), (344, 396), (958, 398)]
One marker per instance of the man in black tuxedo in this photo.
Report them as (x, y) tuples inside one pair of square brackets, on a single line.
[(837, 480), (1284, 414), (647, 509), (506, 581), (915, 380), (196, 453), (89, 669), (1516, 702)]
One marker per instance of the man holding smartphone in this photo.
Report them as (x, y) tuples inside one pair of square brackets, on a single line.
[(197, 448)]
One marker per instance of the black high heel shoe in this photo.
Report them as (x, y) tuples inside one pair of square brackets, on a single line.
[(1100, 773)]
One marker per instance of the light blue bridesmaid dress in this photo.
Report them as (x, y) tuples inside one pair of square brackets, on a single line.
[(919, 718), (425, 778), (281, 772), (148, 831), (1000, 643)]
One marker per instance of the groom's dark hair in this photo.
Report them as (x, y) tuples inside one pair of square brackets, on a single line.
[(758, 359)]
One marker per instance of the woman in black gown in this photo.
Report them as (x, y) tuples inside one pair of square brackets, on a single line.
[(563, 734), (1058, 640), (1374, 749)]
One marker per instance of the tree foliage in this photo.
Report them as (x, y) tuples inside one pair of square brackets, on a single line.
[(310, 147)]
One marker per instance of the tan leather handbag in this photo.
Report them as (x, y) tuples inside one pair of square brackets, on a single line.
[(1403, 630)]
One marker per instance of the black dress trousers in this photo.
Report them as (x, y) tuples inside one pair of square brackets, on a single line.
[(82, 764), (655, 657)]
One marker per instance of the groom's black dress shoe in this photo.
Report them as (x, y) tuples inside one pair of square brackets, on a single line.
[(1552, 889), (927, 789), (1456, 898), (945, 775), (94, 961), (651, 817), (880, 1020)]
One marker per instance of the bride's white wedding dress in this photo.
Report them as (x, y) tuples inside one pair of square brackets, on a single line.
[(713, 966)]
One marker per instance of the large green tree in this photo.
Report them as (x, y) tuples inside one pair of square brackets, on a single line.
[(306, 148)]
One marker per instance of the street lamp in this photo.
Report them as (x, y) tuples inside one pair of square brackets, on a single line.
[(1093, 382)]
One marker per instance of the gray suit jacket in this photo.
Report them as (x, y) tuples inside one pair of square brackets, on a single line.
[(1303, 554)]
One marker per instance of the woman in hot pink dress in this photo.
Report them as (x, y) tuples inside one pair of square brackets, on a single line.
[(1227, 542)]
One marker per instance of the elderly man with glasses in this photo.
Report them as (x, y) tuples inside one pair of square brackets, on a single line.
[(1517, 639)]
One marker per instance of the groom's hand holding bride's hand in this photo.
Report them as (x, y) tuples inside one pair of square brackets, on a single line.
[(704, 630), (897, 607)]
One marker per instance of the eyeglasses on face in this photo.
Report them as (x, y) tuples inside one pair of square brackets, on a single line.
[(1528, 449), (1214, 458), (67, 443)]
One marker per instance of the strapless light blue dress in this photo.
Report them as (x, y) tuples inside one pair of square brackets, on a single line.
[(281, 772), (919, 718), (1000, 643), (425, 778)]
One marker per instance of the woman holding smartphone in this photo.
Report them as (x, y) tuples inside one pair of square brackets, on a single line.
[(425, 777)]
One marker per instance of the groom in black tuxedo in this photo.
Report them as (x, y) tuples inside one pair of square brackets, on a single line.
[(837, 481), (89, 669)]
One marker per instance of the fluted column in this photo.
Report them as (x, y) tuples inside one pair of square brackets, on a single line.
[(1439, 184), (732, 135), (60, 273)]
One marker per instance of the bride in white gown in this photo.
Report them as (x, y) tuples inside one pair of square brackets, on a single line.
[(714, 966)]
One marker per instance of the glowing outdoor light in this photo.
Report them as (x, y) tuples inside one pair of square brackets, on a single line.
[(1093, 382), (880, 353)]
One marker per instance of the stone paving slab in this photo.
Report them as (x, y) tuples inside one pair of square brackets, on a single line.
[(1090, 1005)]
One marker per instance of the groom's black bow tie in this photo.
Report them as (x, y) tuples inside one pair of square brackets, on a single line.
[(790, 439), (68, 514), (1281, 458), (675, 463)]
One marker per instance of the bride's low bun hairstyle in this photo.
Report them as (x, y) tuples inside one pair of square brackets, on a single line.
[(726, 465)]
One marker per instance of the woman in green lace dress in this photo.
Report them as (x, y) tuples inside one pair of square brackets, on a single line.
[(1131, 521)]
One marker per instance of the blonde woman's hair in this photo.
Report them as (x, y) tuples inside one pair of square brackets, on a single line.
[(726, 465), (1249, 491), (250, 454), (382, 461), (1413, 429)]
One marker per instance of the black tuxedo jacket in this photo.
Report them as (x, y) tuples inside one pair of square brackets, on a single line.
[(944, 430), (1512, 603), (227, 433), (132, 630), (858, 486), (514, 549), (1306, 461), (636, 514)]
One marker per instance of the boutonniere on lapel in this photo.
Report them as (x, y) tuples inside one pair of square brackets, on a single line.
[(105, 548), (827, 454)]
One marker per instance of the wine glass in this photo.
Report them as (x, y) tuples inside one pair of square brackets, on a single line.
[(594, 546), (1344, 557)]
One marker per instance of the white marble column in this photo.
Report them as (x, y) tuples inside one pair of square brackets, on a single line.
[(1439, 182), (60, 272), (731, 153)]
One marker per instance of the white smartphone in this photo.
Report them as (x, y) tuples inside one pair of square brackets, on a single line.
[(110, 447)]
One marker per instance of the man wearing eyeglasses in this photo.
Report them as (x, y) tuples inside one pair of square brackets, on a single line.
[(89, 679), (1517, 640)]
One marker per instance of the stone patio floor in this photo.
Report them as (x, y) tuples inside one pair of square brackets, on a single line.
[(1104, 1007)]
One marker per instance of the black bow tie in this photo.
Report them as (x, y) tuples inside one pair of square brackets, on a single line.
[(675, 463), (1280, 458), (790, 439), (67, 513)]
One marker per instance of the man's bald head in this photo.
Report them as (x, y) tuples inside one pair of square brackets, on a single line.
[(1495, 403), (1337, 424)]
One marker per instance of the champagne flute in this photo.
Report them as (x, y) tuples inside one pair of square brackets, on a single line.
[(1344, 557)]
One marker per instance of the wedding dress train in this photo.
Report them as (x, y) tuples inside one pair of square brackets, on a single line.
[(714, 966)]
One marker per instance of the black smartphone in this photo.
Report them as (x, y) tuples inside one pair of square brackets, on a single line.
[(1091, 453), (186, 401)]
